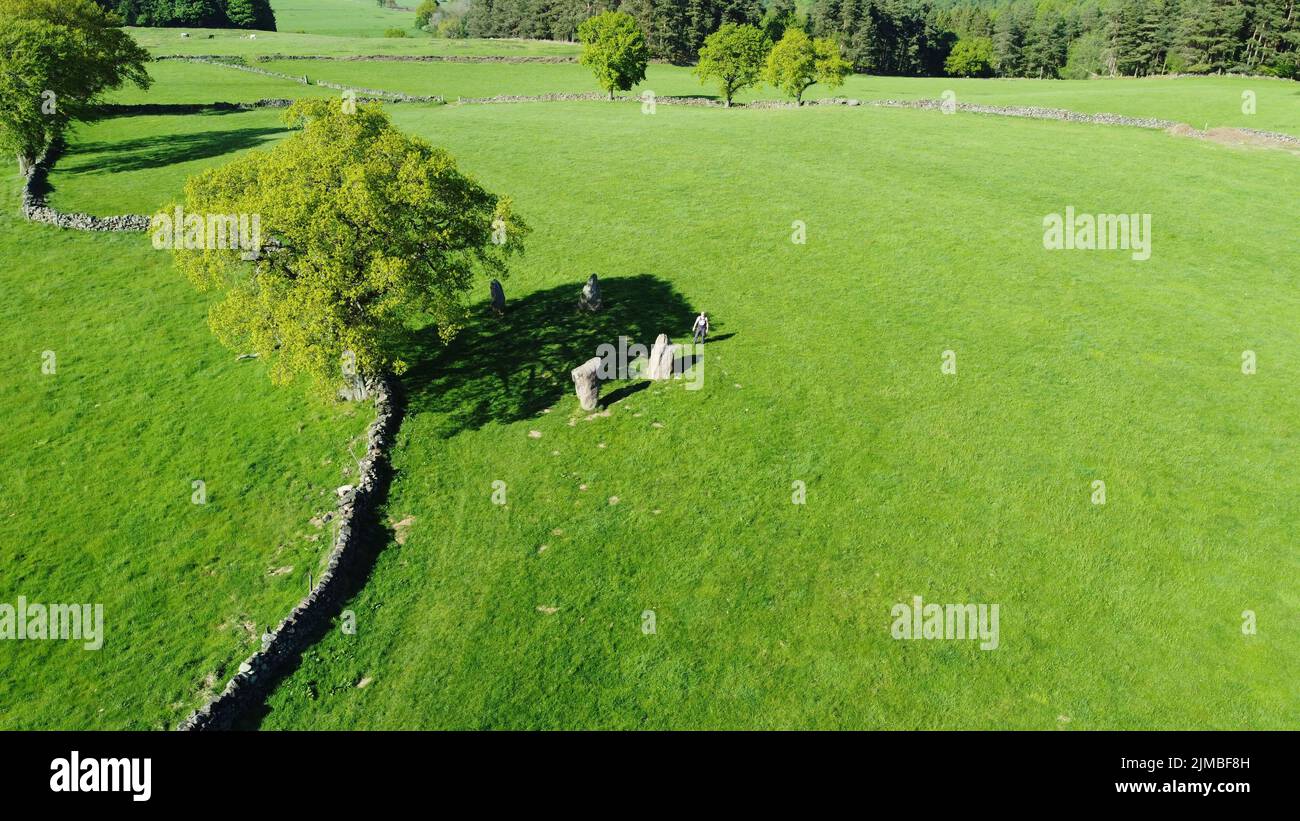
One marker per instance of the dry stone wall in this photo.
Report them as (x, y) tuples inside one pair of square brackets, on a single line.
[(36, 210), (345, 570), (375, 93)]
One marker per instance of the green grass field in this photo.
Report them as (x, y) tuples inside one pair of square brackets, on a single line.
[(973, 488), (236, 43), (924, 235), (1198, 102), (341, 18), (97, 498), (176, 81)]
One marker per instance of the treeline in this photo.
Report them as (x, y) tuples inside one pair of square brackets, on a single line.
[(1071, 38), (674, 29), (240, 14), (1004, 38)]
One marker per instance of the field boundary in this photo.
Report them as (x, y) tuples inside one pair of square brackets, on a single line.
[(35, 209), (1239, 135), (1065, 115), (386, 96), (346, 570), (391, 58), (1224, 134)]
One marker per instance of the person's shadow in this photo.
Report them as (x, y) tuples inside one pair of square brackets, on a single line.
[(504, 369)]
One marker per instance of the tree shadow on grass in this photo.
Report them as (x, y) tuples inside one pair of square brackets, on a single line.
[(504, 369), (107, 111), (165, 149), (501, 369)]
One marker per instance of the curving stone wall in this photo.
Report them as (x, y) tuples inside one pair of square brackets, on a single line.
[(346, 569), (35, 209)]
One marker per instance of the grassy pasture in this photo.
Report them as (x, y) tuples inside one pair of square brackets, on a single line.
[(924, 235), (139, 164), (286, 41), (972, 488), (1196, 101), (341, 18), (176, 81), (96, 504)]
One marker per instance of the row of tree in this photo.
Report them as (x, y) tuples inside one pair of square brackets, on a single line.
[(240, 14), (735, 57), (1006, 38)]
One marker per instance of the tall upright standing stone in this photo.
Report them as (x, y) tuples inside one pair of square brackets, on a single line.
[(586, 383), (590, 299), (661, 358), (498, 298)]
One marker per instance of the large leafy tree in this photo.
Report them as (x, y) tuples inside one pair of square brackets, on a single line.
[(733, 56), (971, 57), (614, 48), (369, 231), (56, 58), (799, 61)]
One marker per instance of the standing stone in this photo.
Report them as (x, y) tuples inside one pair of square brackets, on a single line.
[(590, 299), (661, 358), (586, 383), (498, 298), (355, 388)]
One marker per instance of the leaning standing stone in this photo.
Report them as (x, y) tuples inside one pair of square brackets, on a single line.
[(586, 383), (498, 298), (590, 299)]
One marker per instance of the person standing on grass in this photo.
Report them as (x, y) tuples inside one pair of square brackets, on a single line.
[(701, 330)]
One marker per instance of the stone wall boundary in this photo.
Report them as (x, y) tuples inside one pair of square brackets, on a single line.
[(346, 570)]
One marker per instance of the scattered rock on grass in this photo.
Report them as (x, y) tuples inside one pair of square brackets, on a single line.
[(402, 529)]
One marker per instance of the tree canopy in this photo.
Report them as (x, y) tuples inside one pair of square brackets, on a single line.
[(245, 14), (799, 61), (614, 48), (368, 232), (734, 56), (1029, 38), (56, 58), (971, 57)]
